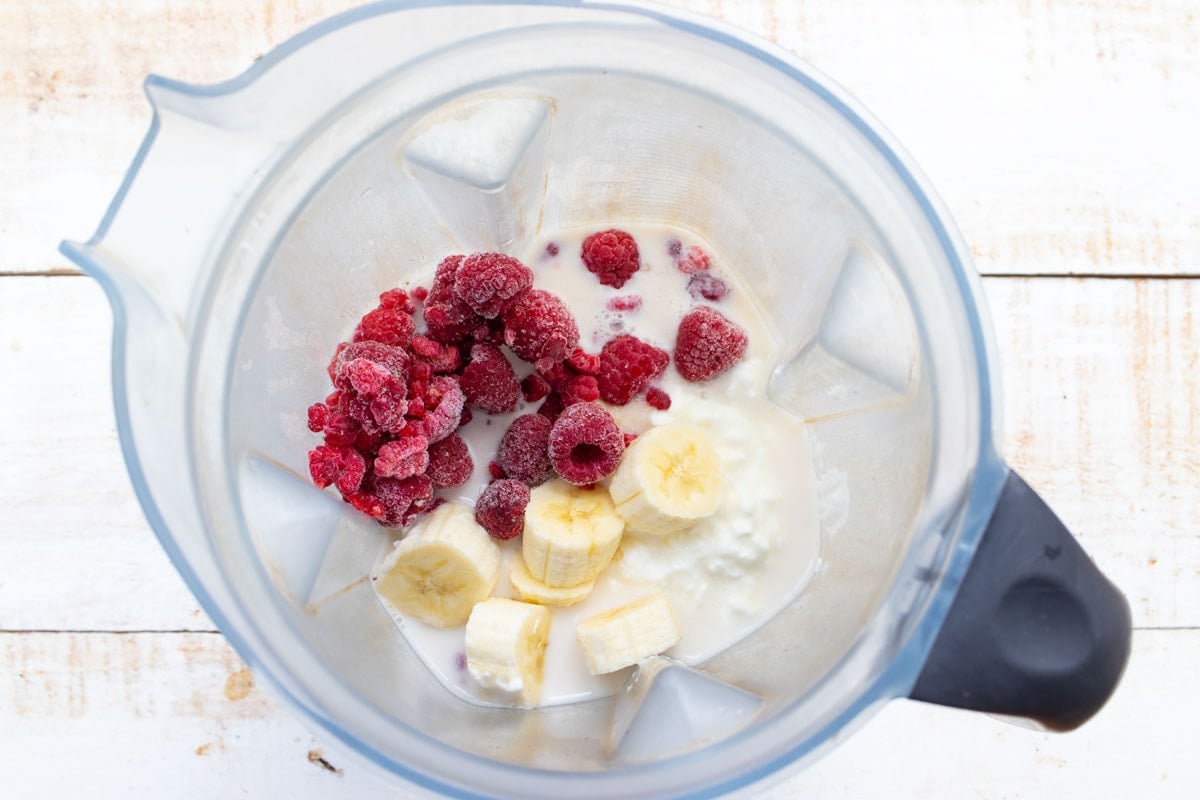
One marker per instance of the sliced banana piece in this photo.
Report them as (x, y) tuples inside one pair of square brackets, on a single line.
[(624, 636), (506, 649), (668, 480), (570, 533), (445, 565), (534, 591)]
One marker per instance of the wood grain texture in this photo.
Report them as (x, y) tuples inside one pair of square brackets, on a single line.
[(153, 715), (1100, 380), (1059, 132)]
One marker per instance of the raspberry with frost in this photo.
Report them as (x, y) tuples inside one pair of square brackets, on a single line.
[(397, 502), (585, 444), (584, 363), (318, 413), (392, 326), (627, 365), (707, 344), (394, 359), (490, 282), (539, 328), (612, 256), (694, 259), (444, 400), (501, 508), (441, 357), (489, 382), (524, 453), (580, 389), (449, 462), (552, 407), (449, 321), (706, 286), (403, 457)]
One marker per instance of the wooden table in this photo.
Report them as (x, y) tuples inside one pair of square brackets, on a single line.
[(1061, 134)]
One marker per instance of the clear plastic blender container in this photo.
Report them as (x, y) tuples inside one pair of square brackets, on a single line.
[(262, 215)]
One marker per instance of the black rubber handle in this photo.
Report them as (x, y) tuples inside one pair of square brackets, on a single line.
[(1035, 631)]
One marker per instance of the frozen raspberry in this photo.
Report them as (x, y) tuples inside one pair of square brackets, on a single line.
[(534, 387), (341, 429), (489, 282), (449, 321), (612, 256), (624, 302), (449, 462), (442, 288), (420, 293), (440, 357), (539, 328), (489, 381), (706, 286), (693, 260), (318, 413), (443, 413), (394, 359), (584, 363), (523, 453), (399, 501), (392, 326), (396, 298), (657, 398), (585, 444), (388, 410), (501, 508), (580, 389), (627, 365), (363, 376), (368, 443), (403, 458), (707, 344), (553, 406), (420, 372), (341, 465)]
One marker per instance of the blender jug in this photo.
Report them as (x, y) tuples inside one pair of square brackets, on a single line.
[(263, 214)]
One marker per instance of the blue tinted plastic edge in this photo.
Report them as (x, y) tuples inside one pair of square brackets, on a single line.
[(988, 478)]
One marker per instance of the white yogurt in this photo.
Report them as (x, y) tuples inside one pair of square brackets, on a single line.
[(731, 572)]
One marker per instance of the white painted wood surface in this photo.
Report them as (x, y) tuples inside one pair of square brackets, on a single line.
[(1061, 134)]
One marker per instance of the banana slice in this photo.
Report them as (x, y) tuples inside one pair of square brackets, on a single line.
[(506, 649), (445, 565), (570, 533), (624, 636), (668, 480), (534, 591)]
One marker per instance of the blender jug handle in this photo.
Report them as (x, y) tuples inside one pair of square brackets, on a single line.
[(1035, 631)]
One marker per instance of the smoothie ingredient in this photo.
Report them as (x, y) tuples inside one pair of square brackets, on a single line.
[(707, 344), (658, 399), (489, 282), (501, 508), (612, 256), (443, 406), (489, 382), (403, 458), (524, 451), (585, 444), (540, 328), (570, 534), (389, 325), (692, 260), (534, 387), (506, 648), (624, 636), (706, 286), (445, 565), (393, 502), (450, 462), (584, 363), (534, 591), (669, 479), (627, 365)]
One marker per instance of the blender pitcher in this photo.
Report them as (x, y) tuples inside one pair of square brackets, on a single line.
[(263, 214)]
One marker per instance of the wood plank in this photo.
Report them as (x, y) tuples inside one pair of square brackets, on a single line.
[(146, 715), (1099, 376), (1057, 131)]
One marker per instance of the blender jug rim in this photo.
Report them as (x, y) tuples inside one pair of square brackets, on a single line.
[(988, 474)]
